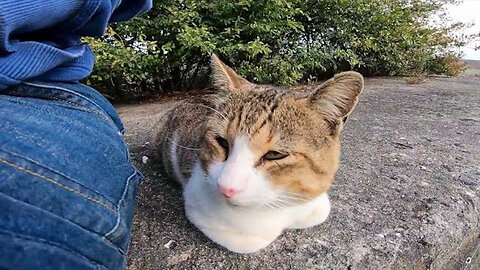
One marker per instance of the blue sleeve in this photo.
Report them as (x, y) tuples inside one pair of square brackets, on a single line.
[(78, 17), (40, 39)]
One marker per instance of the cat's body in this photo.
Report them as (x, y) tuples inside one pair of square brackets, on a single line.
[(254, 160)]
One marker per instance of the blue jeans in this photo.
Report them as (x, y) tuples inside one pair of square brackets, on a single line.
[(67, 184)]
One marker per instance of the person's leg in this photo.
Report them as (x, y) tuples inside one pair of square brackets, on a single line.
[(67, 184)]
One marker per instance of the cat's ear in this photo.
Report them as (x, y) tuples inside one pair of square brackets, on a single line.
[(337, 97), (224, 78)]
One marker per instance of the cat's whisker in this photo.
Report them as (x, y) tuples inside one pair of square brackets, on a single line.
[(269, 206), (286, 202), (297, 200), (182, 146), (188, 148), (278, 204), (274, 205), (289, 202), (289, 197), (208, 107), (295, 194)]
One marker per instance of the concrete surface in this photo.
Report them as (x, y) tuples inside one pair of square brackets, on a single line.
[(473, 67), (406, 195)]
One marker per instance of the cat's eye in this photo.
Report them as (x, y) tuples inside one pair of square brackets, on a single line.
[(223, 143), (274, 155)]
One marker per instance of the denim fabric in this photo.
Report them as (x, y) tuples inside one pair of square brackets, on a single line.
[(67, 184)]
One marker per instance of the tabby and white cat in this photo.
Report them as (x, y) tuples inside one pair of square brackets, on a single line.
[(256, 159)]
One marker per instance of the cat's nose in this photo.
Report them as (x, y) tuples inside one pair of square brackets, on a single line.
[(228, 192)]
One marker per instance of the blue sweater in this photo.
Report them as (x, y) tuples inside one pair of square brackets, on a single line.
[(40, 39)]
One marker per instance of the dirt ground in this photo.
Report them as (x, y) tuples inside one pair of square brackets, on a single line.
[(407, 195)]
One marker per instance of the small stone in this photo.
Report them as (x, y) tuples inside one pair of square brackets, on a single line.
[(170, 244), (422, 213), (144, 159), (400, 145)]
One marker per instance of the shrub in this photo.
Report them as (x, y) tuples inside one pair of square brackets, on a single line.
[(272, 41), (449, 64)]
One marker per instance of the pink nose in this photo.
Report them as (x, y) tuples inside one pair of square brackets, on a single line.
[(228, 192)]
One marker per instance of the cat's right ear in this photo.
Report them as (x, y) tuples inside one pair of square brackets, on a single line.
[(224, 78), (337, 97)]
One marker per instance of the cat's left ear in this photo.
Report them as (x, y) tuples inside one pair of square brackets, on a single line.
[(225, 79), (337, 97)]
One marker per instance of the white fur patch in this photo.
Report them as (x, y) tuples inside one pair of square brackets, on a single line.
[(238, 172), (238, 168)]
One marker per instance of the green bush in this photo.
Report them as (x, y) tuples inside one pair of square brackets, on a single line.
[(271, 41), (448, 64)]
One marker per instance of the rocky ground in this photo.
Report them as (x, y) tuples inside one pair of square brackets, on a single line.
[(407, 195)]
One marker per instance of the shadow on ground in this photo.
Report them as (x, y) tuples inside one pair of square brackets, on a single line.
[(406, 195)]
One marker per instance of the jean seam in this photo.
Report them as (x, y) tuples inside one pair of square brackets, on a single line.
[(70, 92), (79, 106), (119, 205), (57, 172), (58, 184), (55, 244)]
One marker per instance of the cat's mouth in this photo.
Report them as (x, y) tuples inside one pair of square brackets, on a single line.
[(237, 203), (232, 204), (241, 204)]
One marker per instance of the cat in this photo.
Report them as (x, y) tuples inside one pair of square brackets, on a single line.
[(254, 160)]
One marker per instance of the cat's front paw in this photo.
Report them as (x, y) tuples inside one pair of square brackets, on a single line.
[(318, 215), (238, 242)]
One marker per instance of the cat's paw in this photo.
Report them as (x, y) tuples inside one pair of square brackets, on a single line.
[(318, 215), (238, 242)]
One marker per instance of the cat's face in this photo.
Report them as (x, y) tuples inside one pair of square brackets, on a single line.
[(264, 146)]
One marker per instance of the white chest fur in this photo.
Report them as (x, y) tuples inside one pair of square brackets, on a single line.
[(245, 229)]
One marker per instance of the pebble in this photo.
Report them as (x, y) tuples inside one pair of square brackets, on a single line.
[(170, 243)]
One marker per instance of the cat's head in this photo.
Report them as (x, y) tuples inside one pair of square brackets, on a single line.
[(268, 146)]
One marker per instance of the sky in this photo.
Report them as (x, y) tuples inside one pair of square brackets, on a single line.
[(468, 12)]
